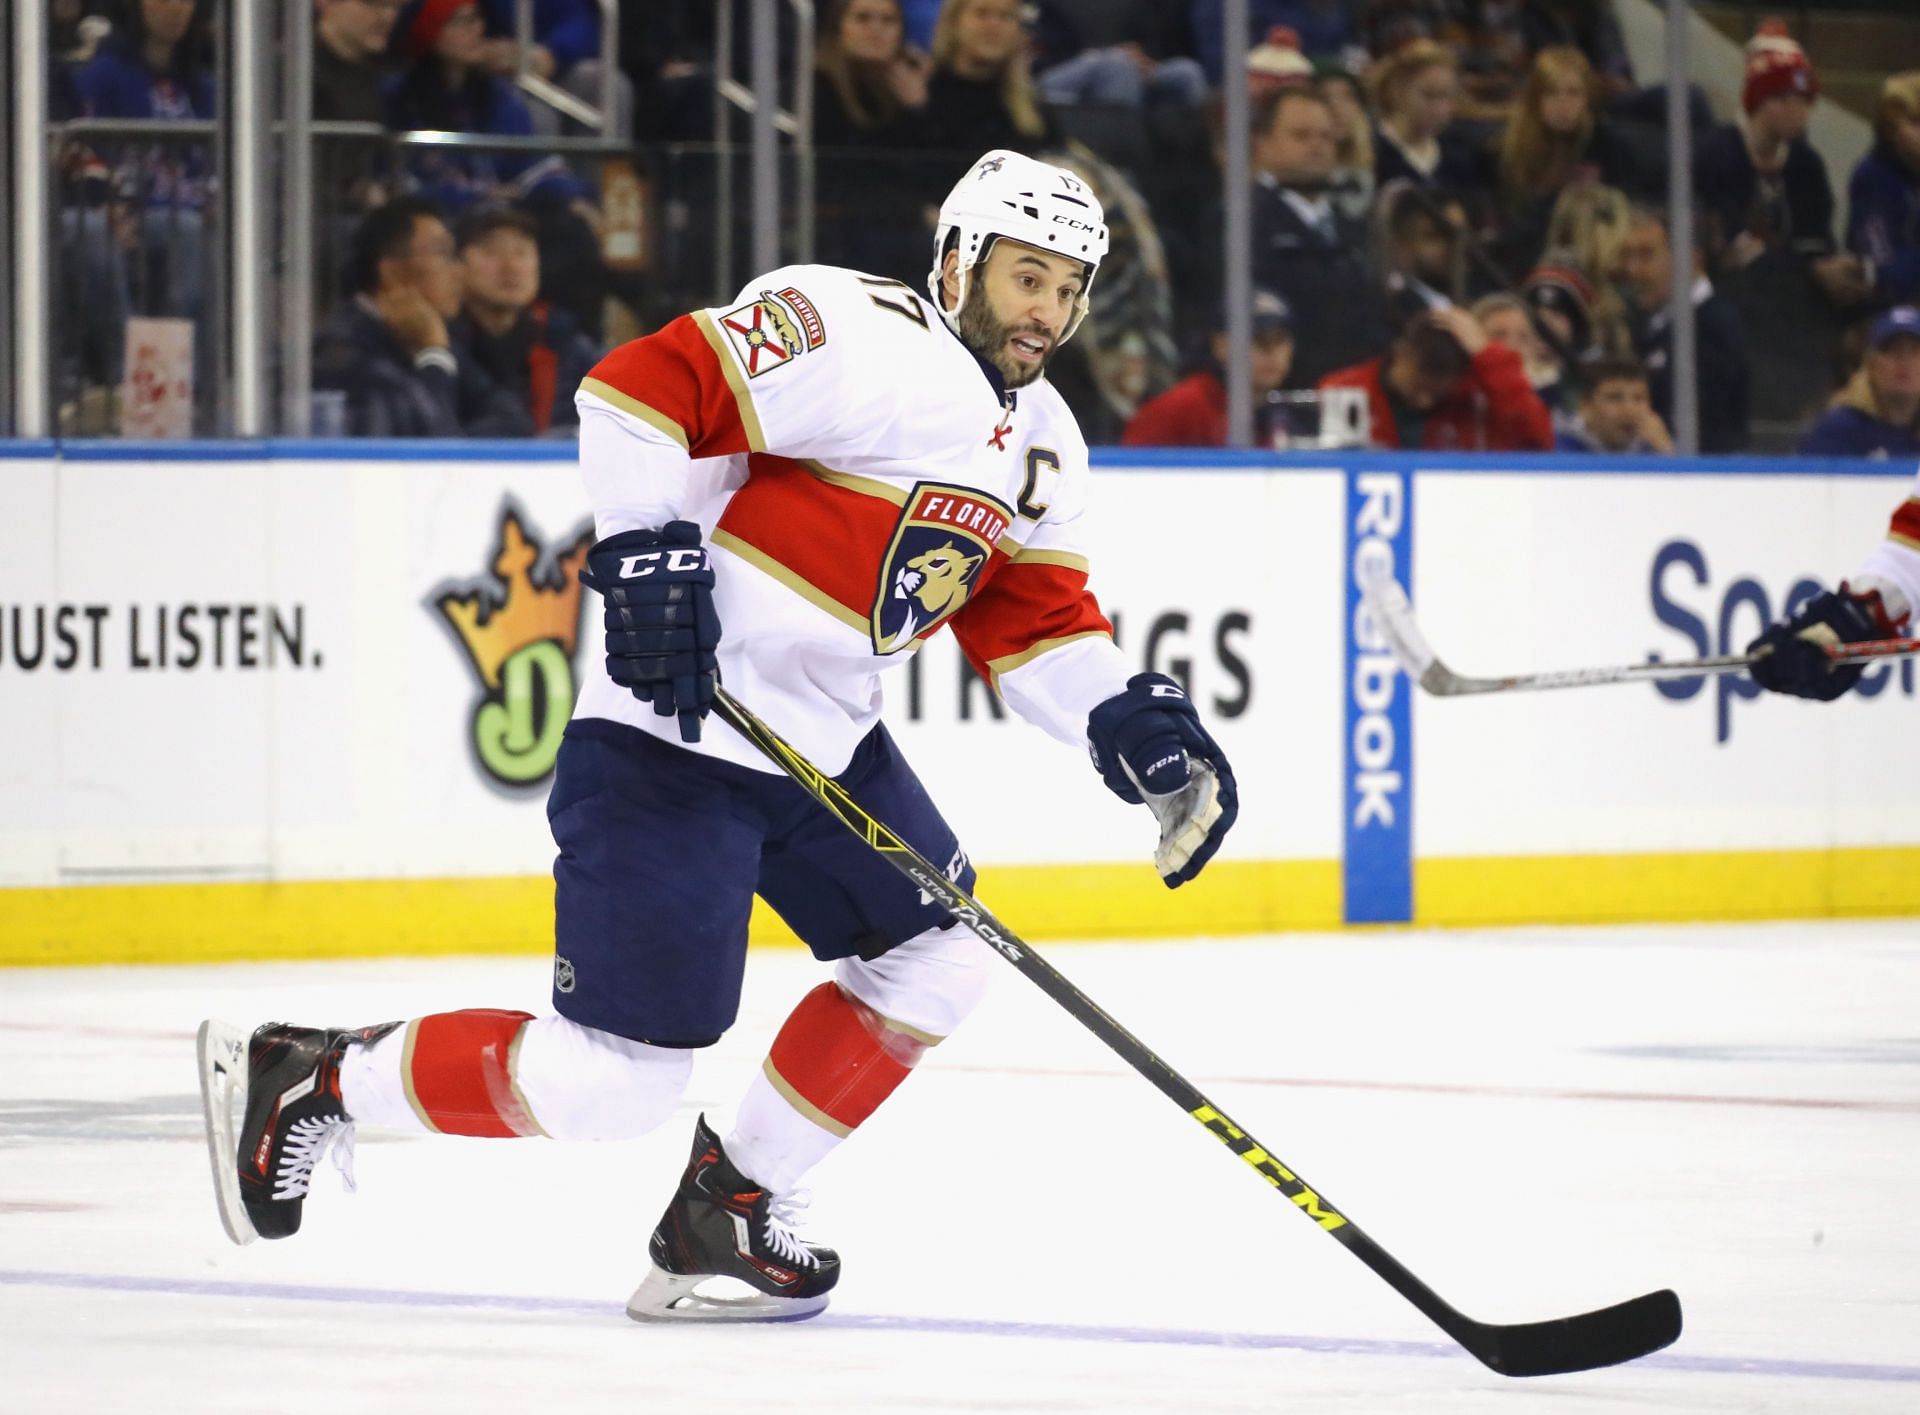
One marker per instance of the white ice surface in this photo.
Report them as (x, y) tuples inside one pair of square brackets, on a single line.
[(1535, 1121)]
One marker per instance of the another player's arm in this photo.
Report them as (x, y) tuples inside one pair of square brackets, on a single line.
[(1037, 634), (1877, 603)]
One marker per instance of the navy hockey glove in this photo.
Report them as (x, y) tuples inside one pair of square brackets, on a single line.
[(1150, 747), (1793, 657), (661, 627)]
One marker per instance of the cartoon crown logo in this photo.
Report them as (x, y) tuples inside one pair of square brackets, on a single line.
[(494, 628)]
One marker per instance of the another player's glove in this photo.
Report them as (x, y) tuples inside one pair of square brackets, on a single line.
[(661, 627), (1793, 655), (1150, 747)]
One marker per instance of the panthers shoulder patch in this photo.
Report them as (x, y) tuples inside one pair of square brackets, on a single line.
[(771, 332)]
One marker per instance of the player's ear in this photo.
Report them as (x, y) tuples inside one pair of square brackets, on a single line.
[(950, 278)]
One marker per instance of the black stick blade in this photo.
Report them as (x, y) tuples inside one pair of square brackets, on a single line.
[(1592, 1339)]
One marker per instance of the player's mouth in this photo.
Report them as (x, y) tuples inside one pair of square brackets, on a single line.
[(1029, 348)]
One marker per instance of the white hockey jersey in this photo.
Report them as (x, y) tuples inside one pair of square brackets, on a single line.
[(861, 484), (1896, 560)]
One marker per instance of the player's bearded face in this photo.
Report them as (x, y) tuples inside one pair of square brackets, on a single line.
[(994, 339)]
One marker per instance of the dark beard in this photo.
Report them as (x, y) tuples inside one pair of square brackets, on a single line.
[(981, 331)]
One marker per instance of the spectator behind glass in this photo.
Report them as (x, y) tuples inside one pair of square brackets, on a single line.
[(1585, 235), (349, 59), (145, 253), (981, 95), (1385, 25), (1878, 413), (1419, 237), (869, 84), (1616, 413), (447, 88), (1444, 385), (1416, 91), (870, 93), (1322, 28), (1352, 182), (1193, 413), (1883, 197), (1509, 320), (387, 346), (1646, 266), (1121, 75), (535, 353), (1304, 249), (1768, 209), (1555, 136), (565, 50), (1590, 27)]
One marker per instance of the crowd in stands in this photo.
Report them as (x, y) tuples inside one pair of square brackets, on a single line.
[(1458, 206)]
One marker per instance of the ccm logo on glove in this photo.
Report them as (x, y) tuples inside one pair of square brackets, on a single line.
[(662, 629), (677, 561)]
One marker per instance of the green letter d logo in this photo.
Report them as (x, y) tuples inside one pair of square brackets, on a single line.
[(518, 736)]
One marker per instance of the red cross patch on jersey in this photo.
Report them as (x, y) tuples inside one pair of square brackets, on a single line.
[(768, 333)]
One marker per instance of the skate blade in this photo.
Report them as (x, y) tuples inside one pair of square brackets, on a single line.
[(222, 1049), (670, 1297)]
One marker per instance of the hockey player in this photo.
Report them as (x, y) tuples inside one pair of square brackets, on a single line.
[(1877, 603), (792, 493)]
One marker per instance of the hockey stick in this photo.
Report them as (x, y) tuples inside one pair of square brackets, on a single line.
[(1393, 614), (1603, 1338)]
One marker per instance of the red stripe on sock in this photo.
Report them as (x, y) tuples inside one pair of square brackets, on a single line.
[(459, 1076), (839, 1055)]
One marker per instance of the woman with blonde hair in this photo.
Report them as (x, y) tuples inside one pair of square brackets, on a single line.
[(1585, 231), (1557, 134), (1416, 93), (1883, 222), (1352, 185), (981, 95)]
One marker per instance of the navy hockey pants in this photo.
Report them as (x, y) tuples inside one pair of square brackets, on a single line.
[(662, 851)]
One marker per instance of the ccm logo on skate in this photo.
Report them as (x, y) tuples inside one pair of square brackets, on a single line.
[(1269, 1168)]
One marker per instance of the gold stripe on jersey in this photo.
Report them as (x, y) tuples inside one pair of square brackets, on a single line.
[(749, 419), (866, 486), (1066, 559), (1000, 666), (633, 407), (806, 589), (1910, 542)]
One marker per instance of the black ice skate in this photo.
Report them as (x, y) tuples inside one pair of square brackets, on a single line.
[(723, 1225), (285, 1085)]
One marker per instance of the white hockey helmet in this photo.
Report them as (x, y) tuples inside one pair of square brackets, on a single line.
[(1036, 203)]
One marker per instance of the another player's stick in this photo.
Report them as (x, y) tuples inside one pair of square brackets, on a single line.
[(1603, 1338), (1394, 615)]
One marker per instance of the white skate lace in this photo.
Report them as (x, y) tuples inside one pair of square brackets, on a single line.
[(307, 1140), (784, 1212)]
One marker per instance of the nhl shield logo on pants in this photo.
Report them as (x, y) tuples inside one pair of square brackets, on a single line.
[(562, 975)]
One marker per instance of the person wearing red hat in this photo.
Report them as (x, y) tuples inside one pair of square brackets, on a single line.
[(1768, 207)]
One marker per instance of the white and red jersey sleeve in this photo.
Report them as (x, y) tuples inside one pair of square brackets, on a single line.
[(1035, 631), (1895, 561)]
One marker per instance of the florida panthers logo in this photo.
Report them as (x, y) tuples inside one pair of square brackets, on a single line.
[(945, 538)]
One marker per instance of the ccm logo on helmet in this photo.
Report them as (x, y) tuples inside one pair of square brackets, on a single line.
[(1073, 223)]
